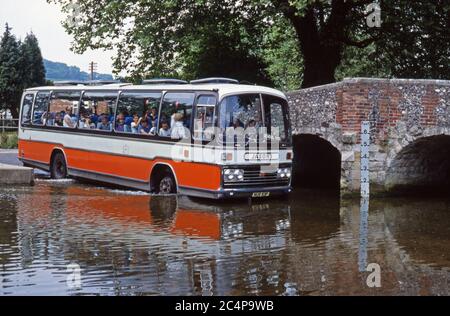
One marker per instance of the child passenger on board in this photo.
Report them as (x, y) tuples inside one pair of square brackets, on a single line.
[(104, 125), (135, 124), (120, 124), (59, 120), (144, 128), (164, 131)]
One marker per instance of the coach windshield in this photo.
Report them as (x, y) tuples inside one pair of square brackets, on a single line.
[(255, 114)]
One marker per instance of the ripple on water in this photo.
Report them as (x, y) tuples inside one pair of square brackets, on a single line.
[(55, 181), (130, 243)]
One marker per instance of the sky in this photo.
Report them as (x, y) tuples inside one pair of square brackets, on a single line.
[(45, 21)]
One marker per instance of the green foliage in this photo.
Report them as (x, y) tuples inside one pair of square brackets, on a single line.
[(362, 62), (3, 140), (281, 53), (287, 43), (9, 140), (182, 38), (11, 66), (416, 42), (33, 70), (21, 67), (230, 49)]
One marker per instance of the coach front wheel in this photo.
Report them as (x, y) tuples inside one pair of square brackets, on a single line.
[(58, 168)]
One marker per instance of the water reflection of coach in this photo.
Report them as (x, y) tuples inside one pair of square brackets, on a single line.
[(220, 221), (167, 244)]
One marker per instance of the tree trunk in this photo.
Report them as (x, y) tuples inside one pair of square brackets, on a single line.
[(320, 66), (321, 48), (14, 112)]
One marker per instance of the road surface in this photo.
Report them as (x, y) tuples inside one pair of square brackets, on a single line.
[(9, 157)]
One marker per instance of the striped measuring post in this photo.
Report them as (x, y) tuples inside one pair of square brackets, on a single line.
[(365, 159), (363, 234), (365, 193)]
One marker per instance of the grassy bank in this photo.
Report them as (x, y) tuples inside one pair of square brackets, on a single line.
[(8, 140)]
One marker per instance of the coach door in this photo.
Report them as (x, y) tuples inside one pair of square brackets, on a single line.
[(204, 118)]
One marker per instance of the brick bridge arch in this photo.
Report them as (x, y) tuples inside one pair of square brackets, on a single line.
[(401, 112), (420, 163), (318, 161)]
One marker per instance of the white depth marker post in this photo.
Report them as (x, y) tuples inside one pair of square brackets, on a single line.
[(363, 234), (365, 159), (365, 193)]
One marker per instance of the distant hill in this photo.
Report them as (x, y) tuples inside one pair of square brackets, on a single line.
[(61, 72)]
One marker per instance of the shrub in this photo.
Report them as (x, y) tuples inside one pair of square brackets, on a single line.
[(9, 140), (13, 141)]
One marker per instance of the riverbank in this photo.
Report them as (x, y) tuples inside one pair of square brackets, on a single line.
[(9, 157), (16, 175), (11, 170)]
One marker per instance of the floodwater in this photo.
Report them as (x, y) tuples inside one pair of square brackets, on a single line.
[(129, 243)]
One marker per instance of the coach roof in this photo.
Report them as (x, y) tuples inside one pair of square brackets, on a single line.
[(222, 89)]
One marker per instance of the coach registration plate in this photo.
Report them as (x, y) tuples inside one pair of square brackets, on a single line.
[(261, 156), (261, 194)]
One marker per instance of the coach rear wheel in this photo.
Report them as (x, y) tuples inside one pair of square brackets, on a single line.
[(58, 168), (167, 185)]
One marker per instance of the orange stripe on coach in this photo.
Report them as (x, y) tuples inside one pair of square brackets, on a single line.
[(189, 174)]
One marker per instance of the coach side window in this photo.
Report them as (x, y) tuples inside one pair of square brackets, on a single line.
[(176, 112), (97, 111), (137, 113), (40, 108), (27, 105), (63, 109)]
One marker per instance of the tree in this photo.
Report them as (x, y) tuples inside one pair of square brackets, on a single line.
[(11, 84), (217, 41), (416, 38), (282, 55), (197, 37), (362, 62), (33, 70), (21, 67), (336, 39), (324, 29), (190, 38)]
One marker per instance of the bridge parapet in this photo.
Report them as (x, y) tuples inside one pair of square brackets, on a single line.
[(401, 112)]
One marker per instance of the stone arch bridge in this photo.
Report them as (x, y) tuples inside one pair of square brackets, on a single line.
[(410, 131)]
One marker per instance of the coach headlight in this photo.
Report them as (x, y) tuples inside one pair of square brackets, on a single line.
[(233, 175), (284, 173)]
